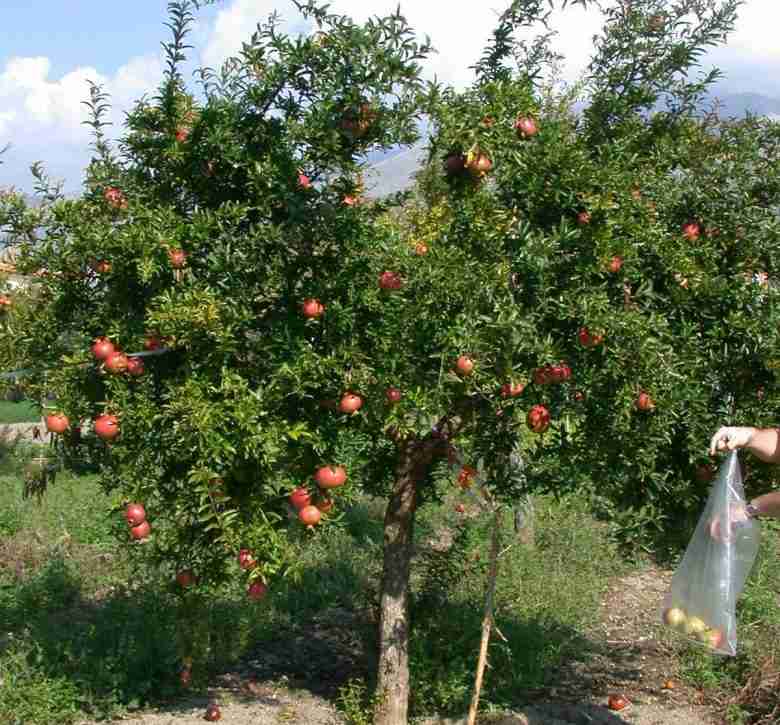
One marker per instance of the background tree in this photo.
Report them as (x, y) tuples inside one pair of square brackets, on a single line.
[(635, 244)]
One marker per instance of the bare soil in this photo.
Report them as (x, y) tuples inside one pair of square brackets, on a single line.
[(638, 663)]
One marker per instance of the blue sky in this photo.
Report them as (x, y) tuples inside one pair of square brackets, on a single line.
[(48, 48)]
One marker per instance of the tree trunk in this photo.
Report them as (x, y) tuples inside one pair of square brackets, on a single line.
[(393, 674)]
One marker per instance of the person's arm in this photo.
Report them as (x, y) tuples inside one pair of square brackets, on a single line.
[(768, 505), (763, 443)]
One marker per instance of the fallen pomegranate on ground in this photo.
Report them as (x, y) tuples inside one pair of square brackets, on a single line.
[(617, 702), (213, 712)]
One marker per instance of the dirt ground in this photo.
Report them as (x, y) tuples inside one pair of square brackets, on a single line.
[(637, 665)]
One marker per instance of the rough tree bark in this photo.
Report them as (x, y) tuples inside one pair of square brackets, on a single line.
[(393, 673)]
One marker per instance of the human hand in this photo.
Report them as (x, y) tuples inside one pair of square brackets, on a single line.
[(729, 438)]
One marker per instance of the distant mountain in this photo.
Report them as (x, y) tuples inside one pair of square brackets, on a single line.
[(395, 172)]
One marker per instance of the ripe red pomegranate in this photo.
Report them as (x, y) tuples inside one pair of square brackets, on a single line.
[(299, 498), (615, 264), (257, 590), (245, 559), (644, 402), (135, 366), (310, 515), (350, 403), (538, 419), (393, 395), (212, 711), (312, 308), (583, 218), (460, 508), (141, 531), (325, 504), (330, 476), (107, 427), (584, 337), (102, 348), (579, 396), (116, 363), (464, 365), (454, 164), (617, 702), (135, 514), (691, 231), (182, 134), (153, 342), (101, 266), (512, 390), (115, 198), (479, 164), (304, 181), (390, 281), (57, 423), (466, 476), (177, 257), (185, 578), (525, 126)]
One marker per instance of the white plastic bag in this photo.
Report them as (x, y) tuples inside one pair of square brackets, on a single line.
[(702, 601)]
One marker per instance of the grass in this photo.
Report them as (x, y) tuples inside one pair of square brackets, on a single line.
[(85, 631), (25, 411)]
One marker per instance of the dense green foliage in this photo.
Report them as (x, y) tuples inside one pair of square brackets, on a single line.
[(582, 226)]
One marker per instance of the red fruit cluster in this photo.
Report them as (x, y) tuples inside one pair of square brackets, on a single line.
[(135, 514), (588, 339), (309, 512), (547, 374), (466, 476), (115, 198), (114, 360)]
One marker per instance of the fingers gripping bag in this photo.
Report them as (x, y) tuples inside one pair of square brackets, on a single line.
[(701, 603)]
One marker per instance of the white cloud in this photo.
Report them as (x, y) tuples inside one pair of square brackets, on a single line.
[(34, 102), (457, 30), (234, 25)]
